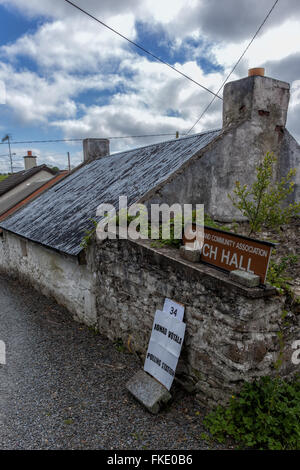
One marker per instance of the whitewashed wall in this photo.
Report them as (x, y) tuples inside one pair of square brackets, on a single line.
[(54, 274)]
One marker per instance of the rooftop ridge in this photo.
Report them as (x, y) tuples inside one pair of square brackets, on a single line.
[(158, 143)]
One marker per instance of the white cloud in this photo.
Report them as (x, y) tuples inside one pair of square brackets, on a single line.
[(164, 11), (73, 55), (157, 102), (231, 20), (75, 44), (61, 9), (34, 99), (2, 92), (266, 47)]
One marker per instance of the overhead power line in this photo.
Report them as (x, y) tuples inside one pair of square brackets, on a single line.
[(235, 66), (80, 140), (42, 141), (142, 48)]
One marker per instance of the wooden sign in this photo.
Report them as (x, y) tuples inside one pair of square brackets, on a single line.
[(229, 251)]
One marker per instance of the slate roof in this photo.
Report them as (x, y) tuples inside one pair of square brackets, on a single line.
[(16, 178), (59, 217)]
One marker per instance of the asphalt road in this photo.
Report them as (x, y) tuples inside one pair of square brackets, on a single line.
[(63, 386)]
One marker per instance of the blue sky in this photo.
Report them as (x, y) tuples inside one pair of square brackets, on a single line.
[(67, 77)]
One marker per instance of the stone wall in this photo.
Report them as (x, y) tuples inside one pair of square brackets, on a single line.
[(54, 274), (231, 332)]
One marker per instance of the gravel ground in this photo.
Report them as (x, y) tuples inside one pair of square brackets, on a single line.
[(63, 386)]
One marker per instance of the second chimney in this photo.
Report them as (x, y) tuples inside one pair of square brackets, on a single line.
[(261, 99), (95, 148), (29, 160)]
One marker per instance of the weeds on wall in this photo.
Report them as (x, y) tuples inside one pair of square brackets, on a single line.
[(277, 272), (172, 241), (161, 241), (89, 233)]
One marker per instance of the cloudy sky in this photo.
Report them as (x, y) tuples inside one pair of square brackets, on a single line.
[(65, 76)]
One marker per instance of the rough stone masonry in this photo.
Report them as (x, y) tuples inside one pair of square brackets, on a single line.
[(231, 332)]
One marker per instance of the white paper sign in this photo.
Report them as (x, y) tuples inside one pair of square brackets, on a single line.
[(164, 348), (168, 332), (174, 309), (160, 364)]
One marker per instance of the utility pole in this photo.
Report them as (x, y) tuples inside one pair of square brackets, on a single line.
[(69, 162), (6, 138), (10, 157)]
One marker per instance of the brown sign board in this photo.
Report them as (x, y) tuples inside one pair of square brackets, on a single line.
[(228, 251)]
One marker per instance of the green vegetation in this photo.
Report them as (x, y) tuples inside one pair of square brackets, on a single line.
[(3, 177), (172, 241), (265, 415), (55, 168), (160, 241), (119, 345), (209, 222), (68, 421), (262, 202), (277, 276), (89, 233), (94, 330)]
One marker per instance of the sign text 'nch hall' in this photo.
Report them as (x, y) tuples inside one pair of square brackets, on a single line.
[(229, 251)]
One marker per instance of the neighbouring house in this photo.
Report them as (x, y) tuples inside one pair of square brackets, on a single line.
[(21, 187), (116, 285)]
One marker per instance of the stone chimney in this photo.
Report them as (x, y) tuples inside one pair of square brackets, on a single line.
[(259, 99), (95, 148), (29, 160), (254, 118)]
